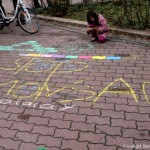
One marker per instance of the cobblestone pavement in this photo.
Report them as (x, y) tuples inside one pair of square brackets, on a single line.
[(87, 96)]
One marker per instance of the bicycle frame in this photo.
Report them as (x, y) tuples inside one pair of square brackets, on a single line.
[(19, 4)]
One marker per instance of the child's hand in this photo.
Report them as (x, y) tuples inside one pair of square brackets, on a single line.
[(94, 28), (88, 29)]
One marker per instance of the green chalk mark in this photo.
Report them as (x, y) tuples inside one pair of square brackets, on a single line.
[(41, 148), (32, 42), (16, 45), (70, 56), (35, 46)]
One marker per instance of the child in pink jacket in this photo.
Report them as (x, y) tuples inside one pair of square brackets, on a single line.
[(97, 26)]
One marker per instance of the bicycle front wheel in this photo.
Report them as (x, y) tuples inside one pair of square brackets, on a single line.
[(28, 21), (2, 20)]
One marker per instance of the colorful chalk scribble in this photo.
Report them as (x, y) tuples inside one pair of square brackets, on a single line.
[(31, 46)]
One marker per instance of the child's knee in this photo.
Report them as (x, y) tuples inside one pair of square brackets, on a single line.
[(101, 39)]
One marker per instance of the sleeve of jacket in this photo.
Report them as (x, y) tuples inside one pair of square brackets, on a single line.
[(103, 24)]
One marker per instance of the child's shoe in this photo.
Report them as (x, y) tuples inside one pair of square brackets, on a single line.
[(93, 39)]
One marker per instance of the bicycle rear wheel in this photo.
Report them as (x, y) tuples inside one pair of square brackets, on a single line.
[(2, 20), (28, 25)]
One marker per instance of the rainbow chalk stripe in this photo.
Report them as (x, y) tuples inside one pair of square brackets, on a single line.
[(73, 57)]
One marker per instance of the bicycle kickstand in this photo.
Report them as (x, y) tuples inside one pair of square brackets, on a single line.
[(9, 28)]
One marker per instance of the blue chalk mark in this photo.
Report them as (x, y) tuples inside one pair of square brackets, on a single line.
[(113, 58)]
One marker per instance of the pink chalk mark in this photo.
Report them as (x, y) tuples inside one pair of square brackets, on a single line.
[(46, 55), (85, 57)]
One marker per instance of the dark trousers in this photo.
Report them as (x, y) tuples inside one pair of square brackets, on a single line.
[(14, 4), (0, 2), (36, 3)]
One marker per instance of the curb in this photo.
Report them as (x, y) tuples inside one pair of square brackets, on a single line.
[(145, 34)]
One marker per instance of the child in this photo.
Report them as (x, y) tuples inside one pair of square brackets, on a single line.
[(97, 26)]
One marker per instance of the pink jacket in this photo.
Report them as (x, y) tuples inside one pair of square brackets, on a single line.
[(103, 28)]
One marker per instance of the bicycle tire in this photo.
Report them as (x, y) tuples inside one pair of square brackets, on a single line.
[(23, 22), (2, 20)]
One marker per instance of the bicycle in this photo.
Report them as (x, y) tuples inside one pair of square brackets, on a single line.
[(24, 16)]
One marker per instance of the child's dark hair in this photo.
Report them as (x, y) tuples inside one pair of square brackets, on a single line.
[(94, 15)]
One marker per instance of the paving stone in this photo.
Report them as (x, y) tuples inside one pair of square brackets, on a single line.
[(101, 146), (66, 134), (123, 123), (144, 143), (113, 114), (82, 126), (105, 129), (38, 120), (14, 110), (49, 141), (59, 123), (53, 114), (136, 116), (5, 123), (143, 135), (126, 108), (27, 137), (91, 137), (7, 133), (34, 112), (90, 112), (4, 115), (27, 146), (21, 126), (43, 130), (143, 125), (75, 117), (118, 141), (98, 120), (74, 145), (9, 143)]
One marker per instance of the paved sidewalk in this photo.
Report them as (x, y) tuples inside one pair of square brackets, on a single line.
[(61, 92)]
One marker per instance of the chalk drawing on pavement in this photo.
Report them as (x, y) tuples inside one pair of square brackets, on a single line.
[(64, 57), (35, 89), (41, 148), (33, 46)]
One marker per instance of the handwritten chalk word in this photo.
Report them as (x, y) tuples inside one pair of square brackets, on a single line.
[(107, 90), (128, 90), (67, 107), (28, 104), (144, 91), (35, 89), (46, 106)]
